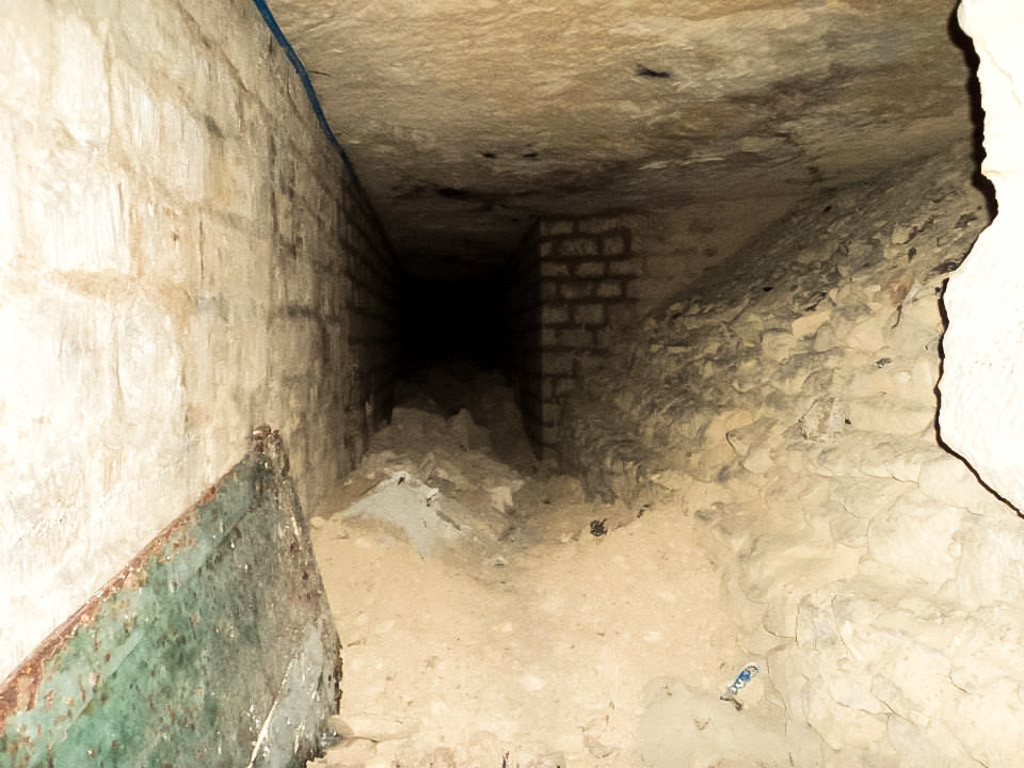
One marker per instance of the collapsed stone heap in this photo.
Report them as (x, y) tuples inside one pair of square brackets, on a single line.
[(788, 402)]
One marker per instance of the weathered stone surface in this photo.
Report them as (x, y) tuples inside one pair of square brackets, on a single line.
[(466, 124), (915, 537), (947, 479), (857, 540), (824, 419), (991, 565), (891, 417)]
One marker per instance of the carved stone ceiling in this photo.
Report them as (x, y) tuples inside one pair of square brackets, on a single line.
[(467, 118)]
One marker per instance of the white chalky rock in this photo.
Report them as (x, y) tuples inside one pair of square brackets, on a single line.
[(842, 727), (879, 648), (890, 416), (746, 438), (825, 339), (923, 379), (867, 335), (924, 746), (990, 727), (824, 419), (848, 530), (915, 537), (991, 566), (723, 423), (759, 461), (982, 414), (778, 345), (807, 324), (867, 497), (988, 655), (947, 479)]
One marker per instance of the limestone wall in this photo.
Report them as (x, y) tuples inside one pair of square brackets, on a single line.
[(986, 316), (179, 259), (787, 402)]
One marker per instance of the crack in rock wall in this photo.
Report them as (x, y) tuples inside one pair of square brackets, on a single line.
[(986, 317), (787, 401)]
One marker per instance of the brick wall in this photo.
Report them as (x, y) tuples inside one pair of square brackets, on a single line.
[(522, 330), (373, 316), (571, 283)]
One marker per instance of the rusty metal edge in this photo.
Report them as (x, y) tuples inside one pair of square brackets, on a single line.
[(18, 690)]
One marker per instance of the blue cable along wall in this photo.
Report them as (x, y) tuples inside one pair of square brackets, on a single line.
[(314, 100)]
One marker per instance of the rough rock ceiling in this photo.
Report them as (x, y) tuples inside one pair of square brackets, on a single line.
[(467, 118)]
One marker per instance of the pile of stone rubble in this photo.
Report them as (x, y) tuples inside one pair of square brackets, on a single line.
[(788, 402)]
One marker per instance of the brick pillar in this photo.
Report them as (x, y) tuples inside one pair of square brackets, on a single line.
[(570, 283), (587, 270), (522, 314)]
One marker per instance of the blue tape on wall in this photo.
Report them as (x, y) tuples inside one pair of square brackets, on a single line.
[(300, 70)]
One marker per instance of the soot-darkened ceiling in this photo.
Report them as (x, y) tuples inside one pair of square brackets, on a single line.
[(467, 118)]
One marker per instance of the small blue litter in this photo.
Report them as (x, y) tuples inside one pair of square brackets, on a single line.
[(743, 677)]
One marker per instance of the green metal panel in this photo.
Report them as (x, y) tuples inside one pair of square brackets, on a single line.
[(214, 647)]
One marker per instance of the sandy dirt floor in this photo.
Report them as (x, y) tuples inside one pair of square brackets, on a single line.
[(490, 616)]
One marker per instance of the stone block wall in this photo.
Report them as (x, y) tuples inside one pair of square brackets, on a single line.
[(183, 259), (587, 276), (372, 315)]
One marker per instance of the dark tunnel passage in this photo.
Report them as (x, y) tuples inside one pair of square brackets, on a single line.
[(457, 353), (450, 322)]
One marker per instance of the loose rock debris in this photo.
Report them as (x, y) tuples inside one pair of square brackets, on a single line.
[(873, 570), (495, 618)]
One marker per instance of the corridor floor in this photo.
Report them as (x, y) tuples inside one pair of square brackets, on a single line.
[(491, 616)]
